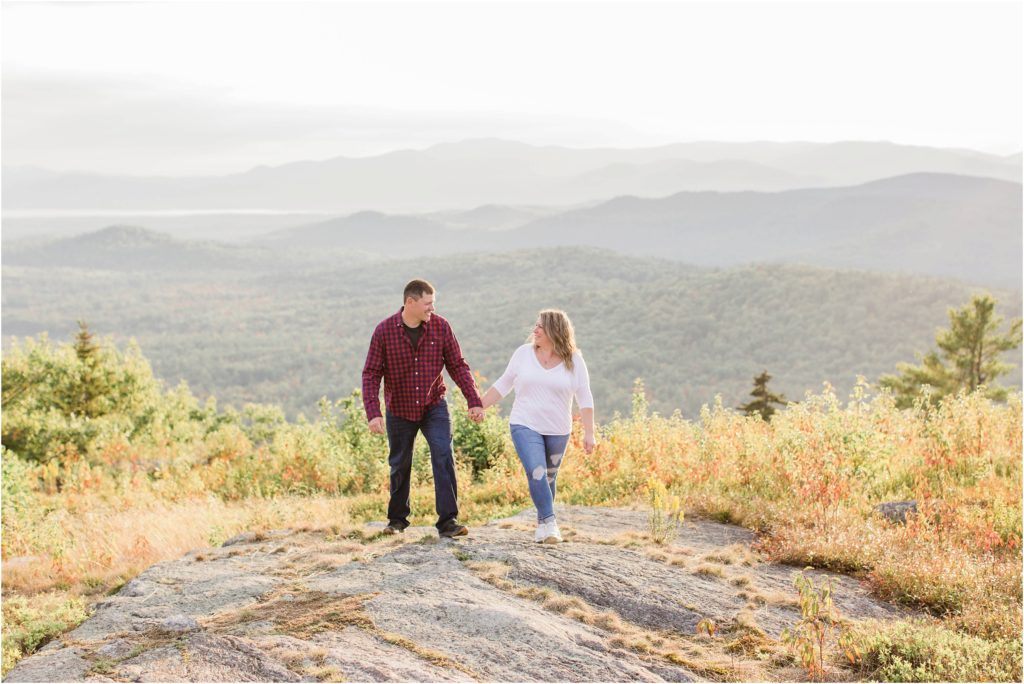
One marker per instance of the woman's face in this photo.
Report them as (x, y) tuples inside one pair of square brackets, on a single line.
[(539, 336)]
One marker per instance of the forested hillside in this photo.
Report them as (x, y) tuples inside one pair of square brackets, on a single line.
[(291, 336)]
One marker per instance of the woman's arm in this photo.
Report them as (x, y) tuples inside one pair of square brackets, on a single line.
[(585, 400), (491, 397), (589, 439), (503, 385)]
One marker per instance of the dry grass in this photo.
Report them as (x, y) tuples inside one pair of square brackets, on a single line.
[(326, 673), (112, 543), (735, 554), (709, 570), (308, 554), (434, 657), (767, 597), (298, 612), (622, 634)]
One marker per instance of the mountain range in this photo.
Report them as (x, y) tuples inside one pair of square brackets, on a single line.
[(963, 227), (938, 224), (479, 172)]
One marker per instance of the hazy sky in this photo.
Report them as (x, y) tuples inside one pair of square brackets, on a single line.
[(190, 87)]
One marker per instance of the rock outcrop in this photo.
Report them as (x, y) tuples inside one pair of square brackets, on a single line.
[(351, 604)]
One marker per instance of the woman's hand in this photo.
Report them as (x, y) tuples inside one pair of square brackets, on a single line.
[(589, 442)]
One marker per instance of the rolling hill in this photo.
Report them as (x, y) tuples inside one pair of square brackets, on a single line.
[(133, 248)]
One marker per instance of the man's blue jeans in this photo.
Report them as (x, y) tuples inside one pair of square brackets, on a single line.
[(436, 426), (541, 456)]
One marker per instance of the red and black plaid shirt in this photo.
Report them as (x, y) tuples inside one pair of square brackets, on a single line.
[(412, 377)]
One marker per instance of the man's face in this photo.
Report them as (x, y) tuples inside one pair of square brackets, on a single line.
[(420, 309)]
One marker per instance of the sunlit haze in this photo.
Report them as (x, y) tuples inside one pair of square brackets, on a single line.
[(211, 88)]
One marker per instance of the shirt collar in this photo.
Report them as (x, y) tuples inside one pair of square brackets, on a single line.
[(399, 321)]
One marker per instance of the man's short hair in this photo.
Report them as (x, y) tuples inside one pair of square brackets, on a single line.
[(416, 289)]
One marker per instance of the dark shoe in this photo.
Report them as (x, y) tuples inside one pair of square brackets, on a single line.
[(393, 529), (453, 529)]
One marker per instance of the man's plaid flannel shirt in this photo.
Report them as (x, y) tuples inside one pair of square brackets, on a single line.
[(412, 377)]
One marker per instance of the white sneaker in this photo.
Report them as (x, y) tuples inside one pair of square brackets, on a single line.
[(542, 532), (553, 535)]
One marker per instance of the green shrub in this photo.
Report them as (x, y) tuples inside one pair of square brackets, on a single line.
[(481, 444), (77, 398), (26, 628), (919, 651)]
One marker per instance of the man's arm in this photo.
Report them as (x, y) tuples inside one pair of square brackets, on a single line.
[(373, 371), (460, 372)]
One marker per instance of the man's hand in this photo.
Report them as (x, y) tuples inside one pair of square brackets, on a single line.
[(589, 441), (476, 414), (377, 425)]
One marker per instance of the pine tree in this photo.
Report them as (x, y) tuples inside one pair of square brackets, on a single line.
[(93, 383), (763, 398), (968, 357), (80, 394), (85, 344)]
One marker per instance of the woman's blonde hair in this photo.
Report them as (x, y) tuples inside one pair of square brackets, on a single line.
[(559, 330)]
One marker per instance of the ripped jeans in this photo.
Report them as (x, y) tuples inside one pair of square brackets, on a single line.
[(541, 456)]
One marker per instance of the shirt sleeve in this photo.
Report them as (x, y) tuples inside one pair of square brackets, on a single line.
[(507, 380), (459, 369), (583, 396), (373, 371)]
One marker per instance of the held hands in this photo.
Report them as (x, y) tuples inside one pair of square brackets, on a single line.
[(476, 414), (377, 426)]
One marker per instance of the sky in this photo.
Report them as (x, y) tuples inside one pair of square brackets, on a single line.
[(205, 88)]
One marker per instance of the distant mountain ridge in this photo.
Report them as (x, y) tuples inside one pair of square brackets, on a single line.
[(937, 224), (478, 172), (133, 248)]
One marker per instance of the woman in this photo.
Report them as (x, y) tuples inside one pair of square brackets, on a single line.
[(546, 373)]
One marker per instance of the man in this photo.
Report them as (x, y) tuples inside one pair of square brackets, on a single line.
[(409, 350)]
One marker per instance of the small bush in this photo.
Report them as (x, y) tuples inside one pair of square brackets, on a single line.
[(666, 512), (819, 620), (918, 651), (30, 623)]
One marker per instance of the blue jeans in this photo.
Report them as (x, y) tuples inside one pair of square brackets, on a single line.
[(436, 426), (541, 456)]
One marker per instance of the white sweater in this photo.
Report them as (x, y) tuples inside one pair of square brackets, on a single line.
[(544, 395)]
